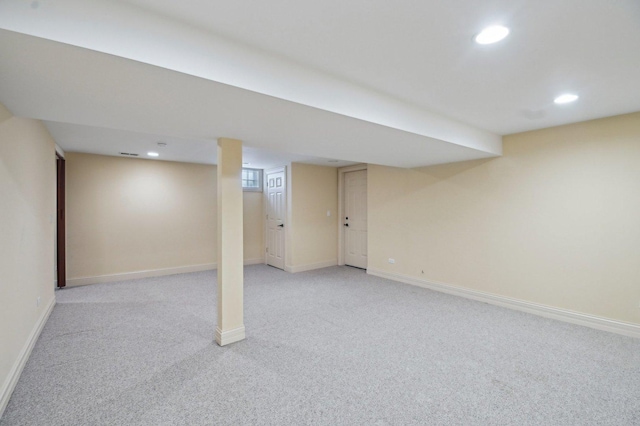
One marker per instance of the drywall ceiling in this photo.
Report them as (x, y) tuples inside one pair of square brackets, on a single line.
[(103, 141), (423, 53), (397, 83), (57, 82)]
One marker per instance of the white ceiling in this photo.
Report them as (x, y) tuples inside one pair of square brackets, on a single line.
[(422, 51), (398, 83), (58, 82), (103, 141)]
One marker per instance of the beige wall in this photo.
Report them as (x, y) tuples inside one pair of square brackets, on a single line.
[(127, 215), (313, 236), (253, 227), (27, 227), (555, 221)]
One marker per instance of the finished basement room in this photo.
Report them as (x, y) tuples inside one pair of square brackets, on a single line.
[(327, 213)]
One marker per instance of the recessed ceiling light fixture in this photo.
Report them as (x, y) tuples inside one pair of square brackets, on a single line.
[(492, 34), (152, 154), (246, 164), (565, 98)]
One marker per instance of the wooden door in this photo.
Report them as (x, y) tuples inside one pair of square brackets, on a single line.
[(276, 208), (355, 219)]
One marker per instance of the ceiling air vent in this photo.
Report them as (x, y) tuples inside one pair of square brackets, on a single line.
[(129, 154)]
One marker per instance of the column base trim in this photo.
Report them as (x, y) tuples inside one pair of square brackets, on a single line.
[(224, 338)]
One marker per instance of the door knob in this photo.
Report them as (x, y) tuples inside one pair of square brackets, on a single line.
[(346, 224), (281, 225)]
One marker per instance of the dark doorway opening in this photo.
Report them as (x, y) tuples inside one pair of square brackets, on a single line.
[(61, 260)]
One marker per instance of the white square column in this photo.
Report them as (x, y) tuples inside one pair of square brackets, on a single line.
[(230, 326)]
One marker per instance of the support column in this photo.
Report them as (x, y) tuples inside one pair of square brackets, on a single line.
[(230, 327)]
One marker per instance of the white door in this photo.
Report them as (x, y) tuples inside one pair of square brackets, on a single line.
[(276, 204), (355, 219)]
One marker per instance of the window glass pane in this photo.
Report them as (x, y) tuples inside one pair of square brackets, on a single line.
[(252, 179)]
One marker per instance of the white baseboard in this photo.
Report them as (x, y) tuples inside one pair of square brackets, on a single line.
[(74, 282), (310, 266), (230, 336), (140, 274), (12, 380), (599, 323)]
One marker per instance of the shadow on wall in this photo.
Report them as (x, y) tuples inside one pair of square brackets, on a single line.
[(446, 171)]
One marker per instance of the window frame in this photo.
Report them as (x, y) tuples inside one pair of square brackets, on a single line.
[(259, 179)]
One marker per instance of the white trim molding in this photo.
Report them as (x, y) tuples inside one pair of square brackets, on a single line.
[(140, 274), (60, 151), (310, 266), (592, 321), (224, 338), (12, 379), (125, 276)]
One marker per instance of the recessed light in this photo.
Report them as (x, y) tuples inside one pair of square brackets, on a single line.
[(492, 34), (566, 98), (162, 144), (246, 164), (152, 154), (332, 161)]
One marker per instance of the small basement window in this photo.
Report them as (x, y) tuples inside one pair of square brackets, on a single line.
[(252, 180)]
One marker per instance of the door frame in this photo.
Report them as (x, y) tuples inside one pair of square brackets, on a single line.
[(341, 173), (265, 197)]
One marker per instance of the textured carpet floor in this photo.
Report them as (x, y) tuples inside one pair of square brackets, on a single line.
[(333, 346)]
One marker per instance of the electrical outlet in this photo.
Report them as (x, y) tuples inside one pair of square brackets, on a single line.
[(392, 261), (38, 301), (328, 213)]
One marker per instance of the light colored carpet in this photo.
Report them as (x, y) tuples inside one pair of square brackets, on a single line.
[(333, 346)]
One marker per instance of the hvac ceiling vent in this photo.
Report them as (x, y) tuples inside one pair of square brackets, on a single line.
[(129, 154)]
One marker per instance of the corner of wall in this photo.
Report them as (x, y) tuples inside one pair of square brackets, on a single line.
[(27, 166), (5, 114), (14, 375)]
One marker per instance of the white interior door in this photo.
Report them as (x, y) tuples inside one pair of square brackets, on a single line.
[(355, 219), (276, 205)]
